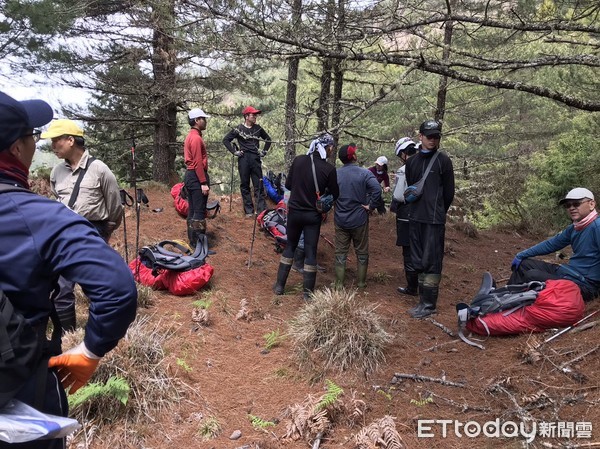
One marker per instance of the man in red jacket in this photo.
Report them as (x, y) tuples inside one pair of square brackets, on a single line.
[(196, 178)]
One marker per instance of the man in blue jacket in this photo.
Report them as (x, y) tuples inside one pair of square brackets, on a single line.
[(41, 239), (427, 215), (583, 235), (360, 194)]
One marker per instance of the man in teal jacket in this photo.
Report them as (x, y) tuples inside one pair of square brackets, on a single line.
[(583, 235)]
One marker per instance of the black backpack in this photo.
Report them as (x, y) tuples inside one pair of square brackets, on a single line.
[(24, 350), (490, 299), (157, 257)]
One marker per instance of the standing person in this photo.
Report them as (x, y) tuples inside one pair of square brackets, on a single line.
[(427, 215), (88, 187), (303, 215), (248, 135), (41, 239), (359, 195), (380, 171), (196, 180), (405, 149), (583, 235)]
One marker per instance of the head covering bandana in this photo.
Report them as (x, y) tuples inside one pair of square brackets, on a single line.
[(319, 145)]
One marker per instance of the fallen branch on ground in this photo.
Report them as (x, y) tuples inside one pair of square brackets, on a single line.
[(441, 326), (436, 347), (584, 327), (463, 407), (417, 377)]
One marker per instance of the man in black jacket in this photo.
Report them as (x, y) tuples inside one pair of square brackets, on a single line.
[(248, 135), (427, 215)]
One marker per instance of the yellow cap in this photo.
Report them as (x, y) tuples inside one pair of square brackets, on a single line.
[(62, 127)]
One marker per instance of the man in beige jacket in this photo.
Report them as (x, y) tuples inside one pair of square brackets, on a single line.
[(87, 186)]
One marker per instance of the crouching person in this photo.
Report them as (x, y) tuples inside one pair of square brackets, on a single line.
[(42, 240)]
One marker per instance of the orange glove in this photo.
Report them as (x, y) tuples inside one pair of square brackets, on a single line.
[(75, 367)]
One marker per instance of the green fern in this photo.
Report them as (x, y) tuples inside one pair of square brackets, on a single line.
[(332, 395), (115, 386), (259, 423), (272, 339), (202, 303)]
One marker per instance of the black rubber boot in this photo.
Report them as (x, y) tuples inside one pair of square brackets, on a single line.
[(412, 287), (67, 318), (298, 264), (309, 281), (195, 228), (427, 303), (285, 265)]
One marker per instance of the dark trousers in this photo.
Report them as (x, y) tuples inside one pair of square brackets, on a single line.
[(196, 200), (250, 169), (65, 297), (427, 247), (310, 224), (55, 404), (538, 270), (403, 239), (534, 270)]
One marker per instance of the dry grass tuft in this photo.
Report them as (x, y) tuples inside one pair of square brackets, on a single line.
[(140, 361), (335, 330)]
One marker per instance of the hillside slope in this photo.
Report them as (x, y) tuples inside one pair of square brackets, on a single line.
[(232, 376)]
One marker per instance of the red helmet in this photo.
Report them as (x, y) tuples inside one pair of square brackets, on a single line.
[(250, 110)]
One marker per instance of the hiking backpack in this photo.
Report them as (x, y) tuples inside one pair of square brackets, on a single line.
[(24, 350), (274, 223), (490, 299), (159, 257)]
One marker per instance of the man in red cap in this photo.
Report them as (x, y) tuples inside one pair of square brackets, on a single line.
[(248, 136)]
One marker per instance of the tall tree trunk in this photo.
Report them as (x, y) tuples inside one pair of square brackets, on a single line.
[(338, 82), (336, 113), (440, 110), (163, 64), (324, 96), (290, 98)]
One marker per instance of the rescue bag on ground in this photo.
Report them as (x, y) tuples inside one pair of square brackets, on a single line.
[(523, 308), (274, 223), (172, 266), (180, 201)]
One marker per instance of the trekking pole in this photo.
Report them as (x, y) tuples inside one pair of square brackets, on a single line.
[(137, 207), (254, 229), (124, 202), (567, 329)]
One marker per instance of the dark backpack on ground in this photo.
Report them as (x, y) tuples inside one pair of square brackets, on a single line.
[(24, 350), (157, 257), (490, 299), (274, 223)]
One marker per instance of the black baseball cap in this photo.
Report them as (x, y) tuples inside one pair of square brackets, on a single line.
[(430, 128), (16, 117)]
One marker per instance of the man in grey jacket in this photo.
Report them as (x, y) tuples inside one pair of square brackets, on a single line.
[(351, 218)]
